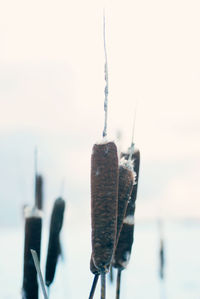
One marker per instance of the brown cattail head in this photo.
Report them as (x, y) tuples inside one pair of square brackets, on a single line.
[(126, 238), (54, 248), (104, 193), (33, 227), (126, 182), (39, 192)]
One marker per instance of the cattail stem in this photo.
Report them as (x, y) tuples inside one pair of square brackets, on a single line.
[(103, 285), (94, 284), (111, 274), (118, 283), (48, 292)]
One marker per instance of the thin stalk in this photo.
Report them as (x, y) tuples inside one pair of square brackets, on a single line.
[(106, 79), (111, 274), (37, 266), (48, 291), (103, 285), (133, 132), (118, 283), (94, 284)]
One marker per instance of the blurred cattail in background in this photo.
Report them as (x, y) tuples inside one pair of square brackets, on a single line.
[(32, 240), (161, 250), (162, 259), (33, 227), (54, 246), (39, 192), (38, 184)]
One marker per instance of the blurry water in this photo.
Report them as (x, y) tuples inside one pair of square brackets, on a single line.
[(139, 281)]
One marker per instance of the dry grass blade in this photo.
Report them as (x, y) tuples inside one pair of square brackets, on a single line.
[(37, 266)]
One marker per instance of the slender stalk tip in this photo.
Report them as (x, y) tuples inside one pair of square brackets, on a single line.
[(106, 78)]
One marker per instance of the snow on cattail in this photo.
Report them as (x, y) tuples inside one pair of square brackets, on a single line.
[(33, 227), (54, 248), (104, 193), (126, 238)]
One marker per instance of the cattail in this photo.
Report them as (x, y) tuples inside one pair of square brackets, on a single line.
[(54, 247), (104, 192), (125, 186), (38, 184), (39, 192), (126, 238), (33, 227), (126, 182), (161, 250)]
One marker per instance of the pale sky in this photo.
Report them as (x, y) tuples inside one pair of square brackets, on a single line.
[(52, 90)]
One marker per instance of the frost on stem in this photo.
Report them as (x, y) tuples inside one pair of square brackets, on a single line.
[(106, 79)]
